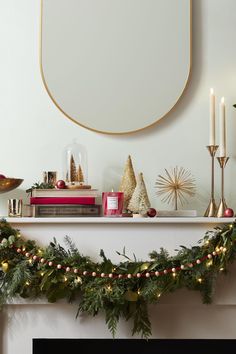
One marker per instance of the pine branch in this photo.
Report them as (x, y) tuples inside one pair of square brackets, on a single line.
[(113, 314), (16, 279), (142, 323)]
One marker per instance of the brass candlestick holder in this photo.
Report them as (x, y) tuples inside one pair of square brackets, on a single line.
[(212, 208), (222, 206)]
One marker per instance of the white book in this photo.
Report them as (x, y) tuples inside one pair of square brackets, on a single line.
[(177, 213), (36, 193)]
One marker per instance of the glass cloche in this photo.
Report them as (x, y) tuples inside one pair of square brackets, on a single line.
[(75, 168)]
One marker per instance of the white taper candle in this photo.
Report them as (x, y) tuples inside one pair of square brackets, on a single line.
[(212, 118), (222, 127)]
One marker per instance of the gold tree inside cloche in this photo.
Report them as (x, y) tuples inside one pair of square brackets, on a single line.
[(175, 185)]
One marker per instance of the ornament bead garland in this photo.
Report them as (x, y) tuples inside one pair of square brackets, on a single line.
[(119, 276)]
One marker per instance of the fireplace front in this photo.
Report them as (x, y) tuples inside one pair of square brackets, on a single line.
[(136, 346)]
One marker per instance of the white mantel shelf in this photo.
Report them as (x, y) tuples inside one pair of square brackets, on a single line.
[(103, 220)]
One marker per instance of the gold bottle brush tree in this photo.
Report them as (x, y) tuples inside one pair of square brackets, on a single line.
[(75, 171)]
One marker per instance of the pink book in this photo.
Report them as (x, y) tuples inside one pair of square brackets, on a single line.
[(63, 200)]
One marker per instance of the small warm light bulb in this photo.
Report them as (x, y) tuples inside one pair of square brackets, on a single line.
[(199, 280), (39, 251), (158, 294), (139, 292), (78, 280), (23, 249), (207, 242), (27, 283), (221, 269), (65, 279), (174, 275), (30, 261), (4, 266), (109, 288), (209, 263), (42, 274)]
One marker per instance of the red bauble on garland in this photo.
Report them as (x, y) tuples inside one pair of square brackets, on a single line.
[(228, 213)]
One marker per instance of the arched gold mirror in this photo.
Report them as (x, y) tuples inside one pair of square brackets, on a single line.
[(115, 66)]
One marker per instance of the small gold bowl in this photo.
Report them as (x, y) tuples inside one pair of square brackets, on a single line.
[(8, 184)]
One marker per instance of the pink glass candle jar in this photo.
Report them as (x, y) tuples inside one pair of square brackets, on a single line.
[(112, 203)]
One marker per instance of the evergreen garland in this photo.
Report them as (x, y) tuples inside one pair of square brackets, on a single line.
[(121, 290)]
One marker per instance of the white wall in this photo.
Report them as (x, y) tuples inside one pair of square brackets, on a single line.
[(34, 132)]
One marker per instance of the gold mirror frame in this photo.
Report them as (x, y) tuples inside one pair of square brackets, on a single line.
[(101, 131)]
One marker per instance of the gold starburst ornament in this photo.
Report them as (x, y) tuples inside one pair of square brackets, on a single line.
[(175, 186)]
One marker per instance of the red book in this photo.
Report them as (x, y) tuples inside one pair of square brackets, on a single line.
[(63, 200)]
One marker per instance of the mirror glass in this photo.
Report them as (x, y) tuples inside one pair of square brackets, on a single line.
[(115, 66)]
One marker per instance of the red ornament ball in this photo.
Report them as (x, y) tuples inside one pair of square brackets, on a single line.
[(2, 176), (228, 213), (151, 212), (61, 184)]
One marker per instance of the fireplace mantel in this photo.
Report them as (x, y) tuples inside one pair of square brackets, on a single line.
[(179, 315), (113, 220)]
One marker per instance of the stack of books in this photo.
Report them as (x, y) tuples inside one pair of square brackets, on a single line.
[(65, 203)]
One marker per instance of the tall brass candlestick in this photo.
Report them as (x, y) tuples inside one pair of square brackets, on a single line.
[(212, 208), (222, 206)]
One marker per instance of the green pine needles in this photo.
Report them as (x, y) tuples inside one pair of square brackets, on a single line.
[(118, 291)]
